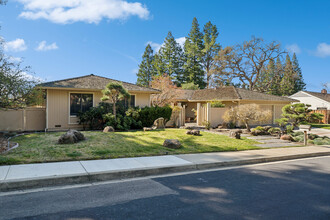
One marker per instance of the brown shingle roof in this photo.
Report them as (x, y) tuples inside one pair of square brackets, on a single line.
[(228, 93), (93, 82), (223, 93), (325, 97)]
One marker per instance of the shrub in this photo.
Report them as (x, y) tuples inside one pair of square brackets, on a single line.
[(321, 141), (217, 104), (274, 131), (298, 133), (149, 114), (128, 121), (299, 138), (207, 125)]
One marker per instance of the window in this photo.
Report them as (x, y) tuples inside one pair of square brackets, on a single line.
[(131, 101), (80, 103)]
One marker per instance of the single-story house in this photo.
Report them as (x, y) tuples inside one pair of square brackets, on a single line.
[(65, 98), (197, 103), (319, 101)]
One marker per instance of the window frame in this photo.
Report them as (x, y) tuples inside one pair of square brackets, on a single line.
[(134, 100), (69, 104)]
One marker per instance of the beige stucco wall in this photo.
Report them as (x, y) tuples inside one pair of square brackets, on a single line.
[(141, 99), (58, 107)]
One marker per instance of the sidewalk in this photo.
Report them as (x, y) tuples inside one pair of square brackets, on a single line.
[(25, 176)]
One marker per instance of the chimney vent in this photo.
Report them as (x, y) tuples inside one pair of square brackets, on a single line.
[(324, 91)]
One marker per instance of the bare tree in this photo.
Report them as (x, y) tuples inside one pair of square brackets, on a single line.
[(167, 88), (245, 62), (247, 113)]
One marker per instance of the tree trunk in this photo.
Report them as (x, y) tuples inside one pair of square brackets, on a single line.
[(248, 128), (114, 109)]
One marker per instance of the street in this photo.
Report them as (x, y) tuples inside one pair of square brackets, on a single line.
[(296, 189)]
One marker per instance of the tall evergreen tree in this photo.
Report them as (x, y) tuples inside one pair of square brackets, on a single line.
[(211, 48), (275, 88), (193, 48), (146, 68), (266, 78), (171, 57), (299, 81), (288, 80)]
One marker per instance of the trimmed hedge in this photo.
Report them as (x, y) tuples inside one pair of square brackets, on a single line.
[(148, 115)]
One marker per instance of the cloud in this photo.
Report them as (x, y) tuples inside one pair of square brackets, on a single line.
[(181, 41), (14, 59), (157, 46), (15, 45), (293, 48), (28, 76), (70, 11), (44, 47), (322, 50), (154, 46)]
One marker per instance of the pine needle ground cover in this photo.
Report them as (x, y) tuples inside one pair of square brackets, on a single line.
[(41, 147)]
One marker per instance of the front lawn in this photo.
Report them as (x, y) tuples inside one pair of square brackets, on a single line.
[(41, 147), (326, 126)]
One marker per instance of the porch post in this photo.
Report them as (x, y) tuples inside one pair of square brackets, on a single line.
[(208, 112), (198, 113)]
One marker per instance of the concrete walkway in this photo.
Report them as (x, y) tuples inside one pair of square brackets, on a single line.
[(60, 173)]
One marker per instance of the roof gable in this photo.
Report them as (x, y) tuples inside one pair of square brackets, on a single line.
[(94, 82), (324, 97)]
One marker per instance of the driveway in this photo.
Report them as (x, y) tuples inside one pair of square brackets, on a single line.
[(321, 132)]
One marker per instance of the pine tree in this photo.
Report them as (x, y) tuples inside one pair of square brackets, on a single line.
[(171, 55), (146, 68), (193, 48), (299, 81), (211, 48), (266, 78), (288, 79), (275, 88)]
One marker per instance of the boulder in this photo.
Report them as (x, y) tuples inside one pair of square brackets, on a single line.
[(172, 143), (193, 132), (159, 123), (235, 134), (71, 137), (286, 137), (147, 129), (108, 129)]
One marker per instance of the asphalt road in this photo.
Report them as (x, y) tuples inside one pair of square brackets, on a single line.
[(284, 190)]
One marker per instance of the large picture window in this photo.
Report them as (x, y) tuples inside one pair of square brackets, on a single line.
[(80, 102)]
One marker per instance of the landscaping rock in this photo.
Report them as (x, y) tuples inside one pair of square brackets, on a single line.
[(71, 137), (235, 134), (193, 132), (147, 129), (108, 129), (286, 137), (172, 143), (159, 123)]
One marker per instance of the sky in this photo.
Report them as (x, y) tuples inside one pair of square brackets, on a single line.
[(69, 38)]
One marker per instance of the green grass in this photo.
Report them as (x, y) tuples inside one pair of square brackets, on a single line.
[(326, 126), (41, 147)]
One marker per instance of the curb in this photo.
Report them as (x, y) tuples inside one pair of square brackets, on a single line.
[(13, 185)]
